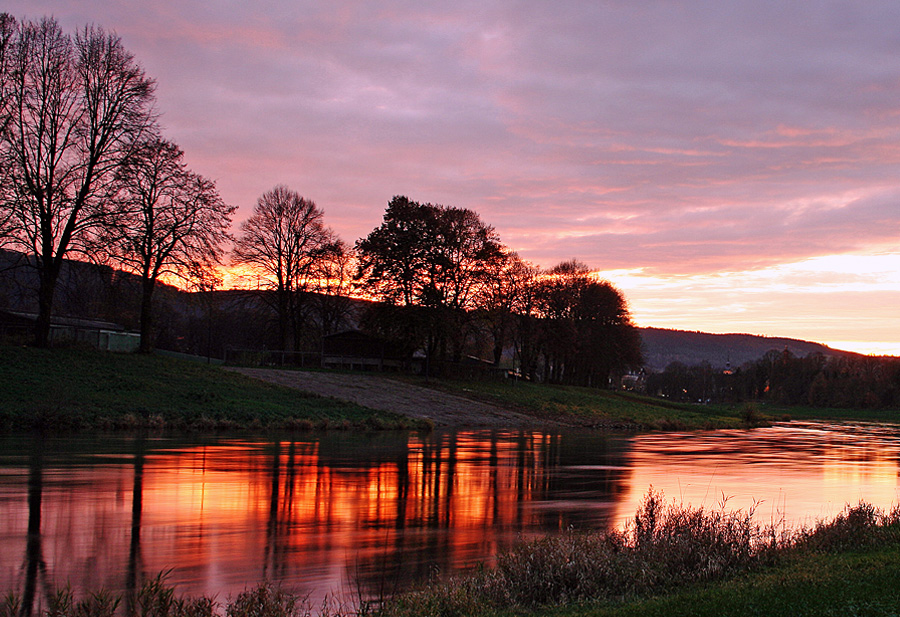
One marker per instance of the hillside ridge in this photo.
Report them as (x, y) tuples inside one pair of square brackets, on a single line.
[(663, 346)]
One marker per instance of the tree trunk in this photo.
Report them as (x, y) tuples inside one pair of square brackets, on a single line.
[(147, 287), (284, 318), (48, 278)]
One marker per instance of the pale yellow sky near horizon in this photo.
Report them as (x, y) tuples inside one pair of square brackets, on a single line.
[(779, 301)]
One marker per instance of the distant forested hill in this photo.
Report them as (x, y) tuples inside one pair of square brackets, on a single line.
[(662, 347)]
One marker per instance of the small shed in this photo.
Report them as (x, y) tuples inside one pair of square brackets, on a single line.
[(103, 335)]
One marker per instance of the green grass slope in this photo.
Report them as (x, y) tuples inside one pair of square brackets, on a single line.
[(68, 389), (857, 583), (596, 407)]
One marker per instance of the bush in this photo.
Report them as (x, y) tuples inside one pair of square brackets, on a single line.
[(859, 526), (663, 547)]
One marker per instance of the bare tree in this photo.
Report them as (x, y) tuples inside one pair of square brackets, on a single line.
[(283, 241), (76, 105), (170, 222), (333, 286), (8, 31), (505, 296)]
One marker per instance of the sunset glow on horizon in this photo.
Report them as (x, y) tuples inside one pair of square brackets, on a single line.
[(731, 167)]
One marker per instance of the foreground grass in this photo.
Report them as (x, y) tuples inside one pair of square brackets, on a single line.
[(70, 389), (598, 408), (863, 582), (155, 598)]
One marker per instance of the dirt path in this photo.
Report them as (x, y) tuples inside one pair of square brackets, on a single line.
[(378, 392)]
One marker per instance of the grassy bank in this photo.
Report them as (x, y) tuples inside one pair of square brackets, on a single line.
[(628, 410), (68, 389), (800, 412), (599, 408), (71, 389), (862, 582)]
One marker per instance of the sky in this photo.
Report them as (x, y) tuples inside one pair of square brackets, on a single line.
[(729, 166)]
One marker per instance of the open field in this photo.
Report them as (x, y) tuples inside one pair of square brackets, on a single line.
[(71, 389)]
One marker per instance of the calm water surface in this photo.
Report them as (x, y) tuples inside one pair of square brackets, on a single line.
[(349, 511)]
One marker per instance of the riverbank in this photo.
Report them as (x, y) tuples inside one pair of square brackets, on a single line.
[(678, 560), (507, 404), (71, 389), (374, 391), (79, 389)]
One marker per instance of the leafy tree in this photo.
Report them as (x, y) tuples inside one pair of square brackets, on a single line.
[(588, 333), (74, 108), (285, 241), (394, 257), (170, 222), (431, 256)]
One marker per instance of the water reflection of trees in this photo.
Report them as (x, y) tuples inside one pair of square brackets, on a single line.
[(134, 571), (35, 567), (371, 510), (408, 510)]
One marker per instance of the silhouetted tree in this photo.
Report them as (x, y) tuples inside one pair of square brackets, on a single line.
[(170, 222), (588, 333), (8, 30), (394, 257), (284, 241), (333, 282), (506, 294), (75, 108), (430, 256)]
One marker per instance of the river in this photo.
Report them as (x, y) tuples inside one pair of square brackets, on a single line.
[(348, 512)]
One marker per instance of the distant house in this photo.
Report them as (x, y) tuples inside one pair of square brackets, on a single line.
[(356, 350), (634, 381), (105, 335)]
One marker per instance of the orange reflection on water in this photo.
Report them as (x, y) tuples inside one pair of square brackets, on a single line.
[(322, 513), (795, 474), (231, 514)]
